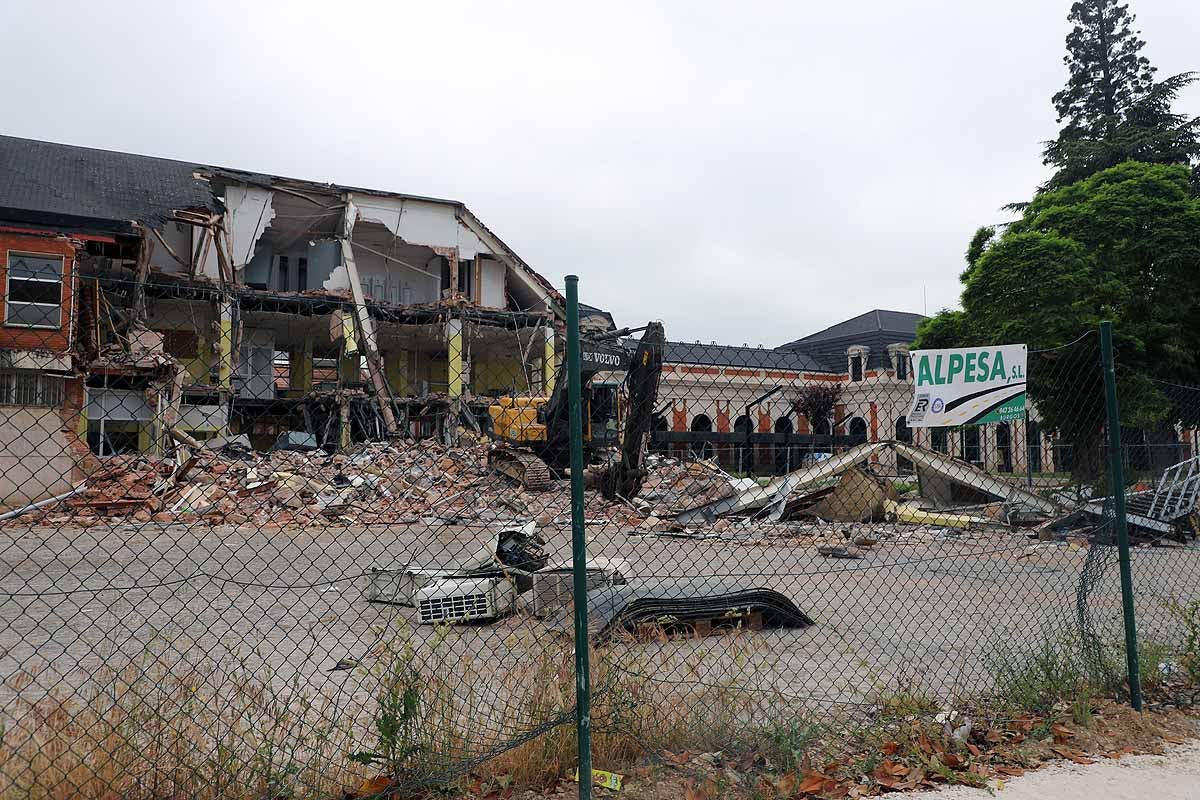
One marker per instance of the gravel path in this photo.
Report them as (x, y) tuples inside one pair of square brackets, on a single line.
[(1175, 775)]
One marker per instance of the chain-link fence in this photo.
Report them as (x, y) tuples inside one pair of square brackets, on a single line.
[(265, 545)]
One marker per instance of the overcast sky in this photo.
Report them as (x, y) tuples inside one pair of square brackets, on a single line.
[(746, 172)]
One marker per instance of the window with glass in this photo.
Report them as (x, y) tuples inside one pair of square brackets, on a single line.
[(34, 291), (27, 388)]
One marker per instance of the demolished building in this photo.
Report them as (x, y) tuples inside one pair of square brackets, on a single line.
[(148, 300)]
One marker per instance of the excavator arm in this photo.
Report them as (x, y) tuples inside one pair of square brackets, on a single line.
[(641, 384)]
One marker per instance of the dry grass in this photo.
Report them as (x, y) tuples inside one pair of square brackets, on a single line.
[(152, 731), (155, 730)]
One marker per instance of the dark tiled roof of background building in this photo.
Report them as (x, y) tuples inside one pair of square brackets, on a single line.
[(875, 329), (901, 322), (721, 355)]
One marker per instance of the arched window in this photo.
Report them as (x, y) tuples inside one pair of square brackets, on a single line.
[(658, 426), (1033, 442), (1004, 446), (903, 434), (702, 449), (784, 458), (969, 447), (745, 451), (858, 429), (822, 429)]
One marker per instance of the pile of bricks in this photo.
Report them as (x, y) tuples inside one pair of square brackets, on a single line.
[(403, 482)]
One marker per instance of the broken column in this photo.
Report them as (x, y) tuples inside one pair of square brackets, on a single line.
[(300, 367), (454, 355), (548, 360), (223, 346), (367, 340)]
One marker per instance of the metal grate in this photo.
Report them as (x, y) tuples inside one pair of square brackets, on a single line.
[(456, 607)]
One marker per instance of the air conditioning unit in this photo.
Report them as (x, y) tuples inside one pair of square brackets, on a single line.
[(554, 585), (400, 586), (464, 599)]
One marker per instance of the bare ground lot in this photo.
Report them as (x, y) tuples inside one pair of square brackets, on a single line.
[(920, 608)]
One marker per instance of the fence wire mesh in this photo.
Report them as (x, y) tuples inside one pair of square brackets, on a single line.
[(268, 544)]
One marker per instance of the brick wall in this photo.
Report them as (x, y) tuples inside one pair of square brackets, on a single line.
[(22, 338)]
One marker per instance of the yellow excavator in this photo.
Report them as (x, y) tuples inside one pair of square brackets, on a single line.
[(620, 389)]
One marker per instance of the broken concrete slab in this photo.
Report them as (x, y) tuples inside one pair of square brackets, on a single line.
[(777, 492), (858, 497), (936, 469), (838, 551), (938, 472)]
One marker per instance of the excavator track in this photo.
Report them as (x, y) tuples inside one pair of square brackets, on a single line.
[(523, 467)]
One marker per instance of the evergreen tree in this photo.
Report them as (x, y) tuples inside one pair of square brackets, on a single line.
[(1112, 110)]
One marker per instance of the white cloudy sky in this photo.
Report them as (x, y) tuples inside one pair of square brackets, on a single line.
[(747, 172)]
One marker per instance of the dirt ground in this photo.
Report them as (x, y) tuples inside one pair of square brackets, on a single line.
[(919, 608)]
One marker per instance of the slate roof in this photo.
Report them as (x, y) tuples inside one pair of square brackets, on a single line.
[(48, 183), (721, 355), (900, 322), (875, 329)]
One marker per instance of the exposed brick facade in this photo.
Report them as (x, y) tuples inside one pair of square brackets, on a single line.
[(24, 338)]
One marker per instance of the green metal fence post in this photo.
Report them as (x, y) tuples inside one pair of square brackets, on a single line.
[(583, 698), (1116, 471)]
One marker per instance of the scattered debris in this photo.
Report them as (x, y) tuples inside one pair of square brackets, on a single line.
[(671, 604), (839, 551), (1167, 511), (944, 481), (553, 585), (227, 483), (674, 486), (903, 512)]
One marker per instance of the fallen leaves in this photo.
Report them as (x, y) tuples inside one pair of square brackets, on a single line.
[(1068, 753), (919, 755), (371, 787), (1061, 733), (786, 785)]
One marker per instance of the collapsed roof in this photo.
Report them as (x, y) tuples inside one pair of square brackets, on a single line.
[(87, 190)]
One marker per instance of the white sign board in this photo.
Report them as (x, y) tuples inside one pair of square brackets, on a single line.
[(967, 386)]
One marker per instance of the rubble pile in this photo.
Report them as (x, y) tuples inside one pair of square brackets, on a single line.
[(375, 483), (125, 487), (673, 486)]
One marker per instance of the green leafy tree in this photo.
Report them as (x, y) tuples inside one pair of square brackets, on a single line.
[(1124, 245), (1111, 109)]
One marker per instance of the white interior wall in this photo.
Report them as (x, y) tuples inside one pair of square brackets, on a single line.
[(179, 237), (251, 210), (420, 222), (390, 282), (492, 276)]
